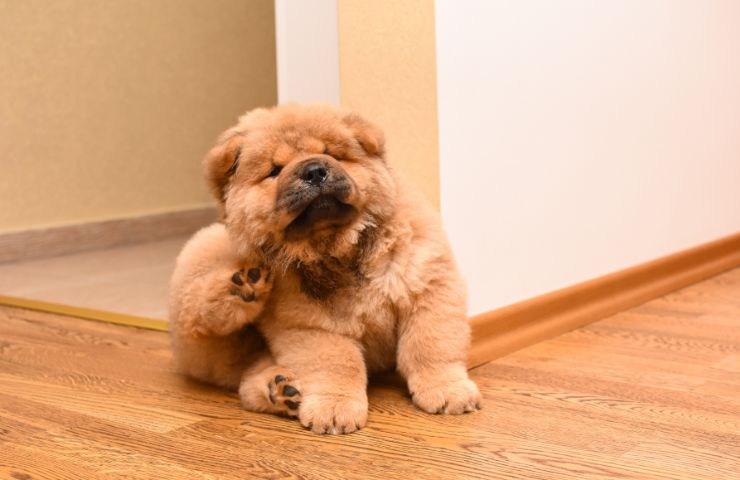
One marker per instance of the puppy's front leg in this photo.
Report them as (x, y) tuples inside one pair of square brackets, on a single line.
[(433, 344), (333, 376)]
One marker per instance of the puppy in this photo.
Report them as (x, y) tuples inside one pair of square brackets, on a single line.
[(327, 268)]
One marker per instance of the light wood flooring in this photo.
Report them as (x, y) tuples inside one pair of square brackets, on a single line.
[(653, 392), (131, 279)]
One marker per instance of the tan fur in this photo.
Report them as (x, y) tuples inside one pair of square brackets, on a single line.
[(372, 288)]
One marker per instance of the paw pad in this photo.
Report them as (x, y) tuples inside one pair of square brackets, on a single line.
[(285, 395), (254, 274)]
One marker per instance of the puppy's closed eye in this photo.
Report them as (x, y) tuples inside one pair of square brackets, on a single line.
[(276, 169), (235, 165)]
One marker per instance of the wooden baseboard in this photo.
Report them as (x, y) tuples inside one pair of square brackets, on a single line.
[(513, 327), (86, 313), (66, 239)]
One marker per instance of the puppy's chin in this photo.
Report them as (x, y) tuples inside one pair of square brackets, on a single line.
[(325, 214)]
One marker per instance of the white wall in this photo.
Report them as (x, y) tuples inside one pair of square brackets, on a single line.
[(578, 137), (307, 51)]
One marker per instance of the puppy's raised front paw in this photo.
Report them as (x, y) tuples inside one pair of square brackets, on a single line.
[(333, 414), (251, 284), (458, 396)]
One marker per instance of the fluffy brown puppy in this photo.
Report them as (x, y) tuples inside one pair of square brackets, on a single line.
[(327, 268)]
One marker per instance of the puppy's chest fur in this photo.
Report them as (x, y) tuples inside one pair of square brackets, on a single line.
[(323, 279), (346, 293), (326, 278)]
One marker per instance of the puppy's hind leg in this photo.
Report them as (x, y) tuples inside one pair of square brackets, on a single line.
[(225, 299), (214, 299)]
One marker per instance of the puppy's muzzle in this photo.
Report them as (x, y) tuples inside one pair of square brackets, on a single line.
[(317, 194), (314, 177)]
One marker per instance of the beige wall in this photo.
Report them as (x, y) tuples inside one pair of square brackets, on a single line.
[(387, 72), (106, 108)]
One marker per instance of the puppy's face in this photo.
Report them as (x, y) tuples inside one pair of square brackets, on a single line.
[(300, 183)]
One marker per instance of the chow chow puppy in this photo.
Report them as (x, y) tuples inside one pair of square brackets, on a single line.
[(326, 268)]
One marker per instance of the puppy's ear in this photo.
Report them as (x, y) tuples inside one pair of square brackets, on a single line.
[(221, 163), (369, 136)]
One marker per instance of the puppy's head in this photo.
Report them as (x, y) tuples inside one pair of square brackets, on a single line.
[(299, 183)]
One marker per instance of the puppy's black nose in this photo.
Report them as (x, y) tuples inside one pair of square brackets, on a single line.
[(315, 173)]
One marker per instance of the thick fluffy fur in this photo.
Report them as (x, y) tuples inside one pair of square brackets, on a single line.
[(326, 269)]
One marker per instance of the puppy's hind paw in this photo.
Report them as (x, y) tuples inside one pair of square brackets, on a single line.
[(285, 395), (251, 284)]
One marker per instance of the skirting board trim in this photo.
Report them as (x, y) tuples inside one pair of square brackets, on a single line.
[(499, 332), (85, 313), (83, 237)]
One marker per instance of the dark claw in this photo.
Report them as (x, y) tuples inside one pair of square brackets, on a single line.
[(237, 279), (292, 405), (253, 274), (289, 391), (280, 378)]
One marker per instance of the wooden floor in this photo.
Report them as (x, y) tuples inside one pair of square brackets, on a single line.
[(650, 393), (131, 279)]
